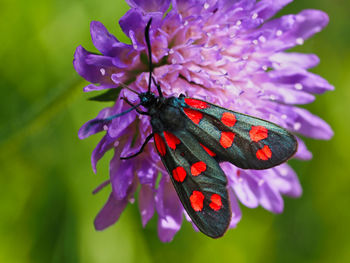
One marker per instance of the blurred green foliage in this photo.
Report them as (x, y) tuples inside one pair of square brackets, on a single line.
[(47, 208)]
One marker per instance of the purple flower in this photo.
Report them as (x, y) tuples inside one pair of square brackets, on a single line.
[(231, 53)]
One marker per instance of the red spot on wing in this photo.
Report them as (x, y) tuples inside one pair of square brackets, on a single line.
[(198, 104), (160, 145), (258, 133), (194, 115), (196, 200), (198, 168), (264, 154), (229, 119), (226, 139), (208, 150), (216, 202), (179, 174), (171, 140)]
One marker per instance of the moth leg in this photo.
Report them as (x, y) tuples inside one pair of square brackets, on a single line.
[(137, 110), (141, 149)]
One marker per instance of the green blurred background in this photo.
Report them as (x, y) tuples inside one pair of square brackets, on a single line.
[(47, 209)]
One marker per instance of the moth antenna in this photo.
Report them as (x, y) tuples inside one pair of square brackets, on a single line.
[(148, 42), (150, 60), (120, 114), (126, 87), (97, 122)]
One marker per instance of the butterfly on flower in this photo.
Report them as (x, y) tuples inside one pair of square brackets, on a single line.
[(193, 136)]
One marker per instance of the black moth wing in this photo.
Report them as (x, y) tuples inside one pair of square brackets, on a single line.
[(245, 141), (198, 180)]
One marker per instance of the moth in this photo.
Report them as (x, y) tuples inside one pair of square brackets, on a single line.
[(193, 136)]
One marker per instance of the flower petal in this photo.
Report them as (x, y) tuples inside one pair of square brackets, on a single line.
[(287, 95), (89, 72), (302, 153), (266, 9), (89, 129), (311, 125), (245, 187), (286, 181), (236, 211), (110, 212), (90, 66), (102, 147), (188, 6), (147, 173), (169, 209), (93, 87), (122, 175), (244, 190), (118, 126), (133, 24), (290, 30), (300, 79), (146, 203), (292, 59), (150, 5), (270, 199), (102, 39)]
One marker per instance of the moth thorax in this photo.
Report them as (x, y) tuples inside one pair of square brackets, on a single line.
[(157, 125), (171, 117)]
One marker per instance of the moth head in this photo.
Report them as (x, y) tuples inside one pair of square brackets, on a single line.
[(147, 99)]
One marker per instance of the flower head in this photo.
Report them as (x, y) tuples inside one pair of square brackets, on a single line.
[(231, 53)]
